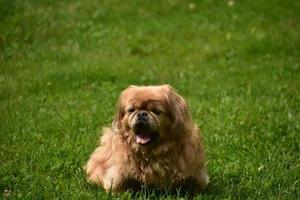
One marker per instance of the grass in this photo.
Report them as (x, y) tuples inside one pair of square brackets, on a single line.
[(63, 64)]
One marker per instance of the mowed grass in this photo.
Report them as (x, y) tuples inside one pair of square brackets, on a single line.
[(64, 63)]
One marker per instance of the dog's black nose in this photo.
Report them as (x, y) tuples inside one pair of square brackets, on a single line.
[(142, 116)]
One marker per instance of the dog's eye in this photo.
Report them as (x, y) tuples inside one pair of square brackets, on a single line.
[(157, 112), (130, 110)]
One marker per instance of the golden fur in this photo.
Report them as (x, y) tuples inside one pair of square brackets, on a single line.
[(174, 157)]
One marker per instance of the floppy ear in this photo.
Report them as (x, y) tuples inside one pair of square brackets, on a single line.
[(180, 115), (117, 124), (120, 112)]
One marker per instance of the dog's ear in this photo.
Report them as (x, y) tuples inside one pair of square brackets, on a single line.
[(179, 112), (117, 122), (120, 112)]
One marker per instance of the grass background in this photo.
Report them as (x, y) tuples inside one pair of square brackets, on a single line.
[(63, 64)]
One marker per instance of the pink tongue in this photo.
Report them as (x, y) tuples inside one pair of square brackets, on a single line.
[(142, 139)]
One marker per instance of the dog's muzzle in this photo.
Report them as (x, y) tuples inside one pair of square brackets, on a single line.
[(142, 129)]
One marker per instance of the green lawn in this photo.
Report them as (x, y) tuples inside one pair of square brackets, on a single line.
[(64, 63)]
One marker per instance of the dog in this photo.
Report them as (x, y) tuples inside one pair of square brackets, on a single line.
[(152, 142)]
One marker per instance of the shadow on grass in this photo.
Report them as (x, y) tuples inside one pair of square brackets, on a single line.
[(145, 192)]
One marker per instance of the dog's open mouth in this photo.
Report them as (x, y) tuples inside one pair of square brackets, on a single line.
[(144, 135), (144, 138)]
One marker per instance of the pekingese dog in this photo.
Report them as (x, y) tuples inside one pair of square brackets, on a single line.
[(153, 142)]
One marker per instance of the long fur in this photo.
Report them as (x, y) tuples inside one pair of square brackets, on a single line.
[(119, 163)]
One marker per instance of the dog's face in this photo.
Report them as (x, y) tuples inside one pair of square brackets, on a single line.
[(152, 114)]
